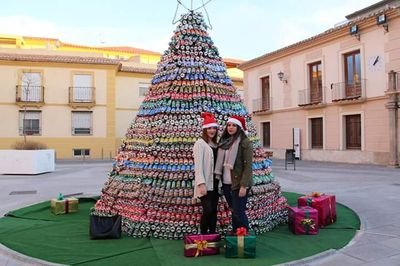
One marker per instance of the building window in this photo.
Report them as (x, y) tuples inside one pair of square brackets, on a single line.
[(316, 133), (81, 123), (265, 93), (82, 90), (352, 63), (143, 89), (81, 152), (315, 79), (29, 122), (266, 131), (353, 132), (31, 87)]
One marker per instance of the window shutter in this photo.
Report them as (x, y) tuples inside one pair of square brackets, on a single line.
[(31, 86), (83, 87), (265, 105), (31, 123), (316, 133), (353, 132), (81, 120), (266, 134)]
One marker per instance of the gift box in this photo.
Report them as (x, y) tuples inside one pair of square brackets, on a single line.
[(201, 245), (324, 204), (63, 206), (303, 220), (242, 246)]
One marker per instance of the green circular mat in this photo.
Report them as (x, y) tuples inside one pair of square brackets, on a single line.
[(36, 232)]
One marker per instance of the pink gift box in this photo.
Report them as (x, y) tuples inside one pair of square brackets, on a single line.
[(303, 220), (201, 245), (325, 205)]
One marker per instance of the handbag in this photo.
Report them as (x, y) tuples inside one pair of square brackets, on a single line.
[(105, 227)]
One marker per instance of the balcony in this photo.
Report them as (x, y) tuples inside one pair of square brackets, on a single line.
[(348, 90), (82, 97), (30, 96), (310, 97), (262, 105)]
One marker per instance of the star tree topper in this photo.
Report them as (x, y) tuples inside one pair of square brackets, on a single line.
[(191, 9)]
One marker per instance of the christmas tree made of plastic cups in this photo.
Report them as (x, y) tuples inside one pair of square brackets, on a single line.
[(151, 183)]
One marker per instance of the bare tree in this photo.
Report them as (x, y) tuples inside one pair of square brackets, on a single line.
[(28, 82)]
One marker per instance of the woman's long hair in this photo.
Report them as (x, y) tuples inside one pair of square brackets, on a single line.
[(204, 136), (228, 140)]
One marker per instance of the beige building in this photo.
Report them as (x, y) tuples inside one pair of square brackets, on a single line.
[(331, 97), (78, 100)]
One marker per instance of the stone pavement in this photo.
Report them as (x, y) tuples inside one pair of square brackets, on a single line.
[(372, 191)]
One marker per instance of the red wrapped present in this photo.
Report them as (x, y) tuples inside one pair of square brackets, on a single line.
[(325, 205), (201, 245), (303, 220)]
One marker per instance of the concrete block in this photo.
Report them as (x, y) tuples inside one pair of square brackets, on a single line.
[(27, 162)]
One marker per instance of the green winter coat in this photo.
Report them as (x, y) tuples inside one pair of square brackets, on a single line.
[(242, 172)]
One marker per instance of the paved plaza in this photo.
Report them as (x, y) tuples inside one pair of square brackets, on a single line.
[(372, 191)]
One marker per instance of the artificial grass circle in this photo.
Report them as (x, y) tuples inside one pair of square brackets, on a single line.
[(36, 232)]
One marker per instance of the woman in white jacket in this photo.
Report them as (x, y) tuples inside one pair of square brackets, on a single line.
[(206, 185)]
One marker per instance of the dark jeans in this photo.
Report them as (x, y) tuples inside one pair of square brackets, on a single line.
[(208, 221), (238, 207)]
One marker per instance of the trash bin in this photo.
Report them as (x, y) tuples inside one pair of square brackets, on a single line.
[(290, 158)]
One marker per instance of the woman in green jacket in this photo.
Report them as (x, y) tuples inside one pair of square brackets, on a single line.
[(234, 166)]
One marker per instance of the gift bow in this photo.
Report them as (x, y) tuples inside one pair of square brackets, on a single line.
[(201, 244), (315, 194), (241, 231), (309, 222)]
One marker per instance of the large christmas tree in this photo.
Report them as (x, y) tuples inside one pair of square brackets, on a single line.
[(151, 184)]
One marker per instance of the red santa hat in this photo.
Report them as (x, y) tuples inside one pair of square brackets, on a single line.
[(239, 121), (209, 120)]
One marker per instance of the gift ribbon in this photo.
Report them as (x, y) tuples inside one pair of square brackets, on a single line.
[(309, 202), (330, 210), (307, 228), (240, 246), (200, 245)]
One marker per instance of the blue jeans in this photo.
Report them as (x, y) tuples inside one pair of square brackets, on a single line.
[(238, 207)]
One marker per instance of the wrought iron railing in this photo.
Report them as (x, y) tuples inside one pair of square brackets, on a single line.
[(30, 131), (28, 93), (348, 90), (262, 104), (81, 94), (81, 131), (307, 96)]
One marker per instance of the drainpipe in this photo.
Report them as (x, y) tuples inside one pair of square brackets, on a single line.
[(393, 106)]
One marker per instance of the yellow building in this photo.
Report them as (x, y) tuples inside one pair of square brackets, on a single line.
[(78, 100)]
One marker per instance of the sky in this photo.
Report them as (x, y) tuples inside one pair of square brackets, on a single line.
[(241, 29)]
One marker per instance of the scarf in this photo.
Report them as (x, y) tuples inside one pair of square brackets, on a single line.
[(226, 159)]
